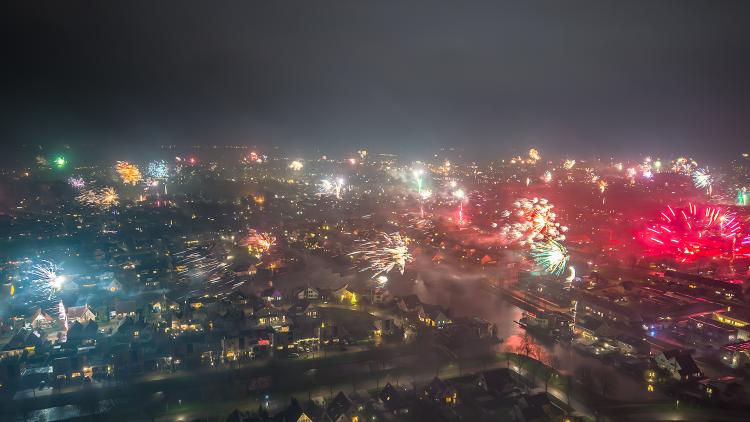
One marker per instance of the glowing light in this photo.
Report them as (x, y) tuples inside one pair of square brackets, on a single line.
[(547, 177), (129, 173), (382, 255), (60, 162), (569, 164), (296, 165), (550, 255)]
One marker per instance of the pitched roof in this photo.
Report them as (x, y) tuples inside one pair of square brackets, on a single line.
[(75, 312), (24, 338), (339, 406)]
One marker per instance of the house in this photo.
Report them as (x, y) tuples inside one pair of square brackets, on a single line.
[(80, 314), (308, 293), (592, 329), (270, 317), (41, 320), (114, 286), (394, 400), (346, 295), (497, 381), (736, 355), (303, 308), (409, 304), (271, 294), (434, 316), (83, 334), (341, 409), (679, 364), (125, 308), (296, 412), (630, 345), (24, 341), (441, 392)]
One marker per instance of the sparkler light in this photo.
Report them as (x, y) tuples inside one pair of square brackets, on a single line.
[(258, 243), (530, 221), (382, 255), (103, 198), (129, 173), (550, 255), (691, 233), (76, 182)]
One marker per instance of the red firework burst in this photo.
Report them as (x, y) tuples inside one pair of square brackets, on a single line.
[(692, 232)]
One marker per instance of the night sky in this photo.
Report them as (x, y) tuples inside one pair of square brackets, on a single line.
[(598, 77)]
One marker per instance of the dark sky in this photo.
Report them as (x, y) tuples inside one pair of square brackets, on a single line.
[(599, 76)]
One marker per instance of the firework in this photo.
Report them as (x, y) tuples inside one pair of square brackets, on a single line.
[(47, 278), (102, 198), (602, 185), (534, 155), (550, 255), (569, 164), (76, 182), (258, 243), (418, 179), (331, 187), (690, 233), (382, 255), (158, 170), (59, 162), (531, 220), (742, 197), (684, 166), (702, 179), (129, 173), (296, 165), (547, 177)]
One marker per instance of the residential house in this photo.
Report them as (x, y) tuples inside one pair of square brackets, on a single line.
[(679, 364), (441, 392), (80, 314), (41, 320)]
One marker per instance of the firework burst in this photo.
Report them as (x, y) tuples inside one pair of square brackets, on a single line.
[(296, 165), (530, 221), (550, 255), (702, 179), (103, 198), (382, 255), (691, 233), (47, 279), (158, 170), (129, 173), (258, 243), (76, 182), (331, 187)]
